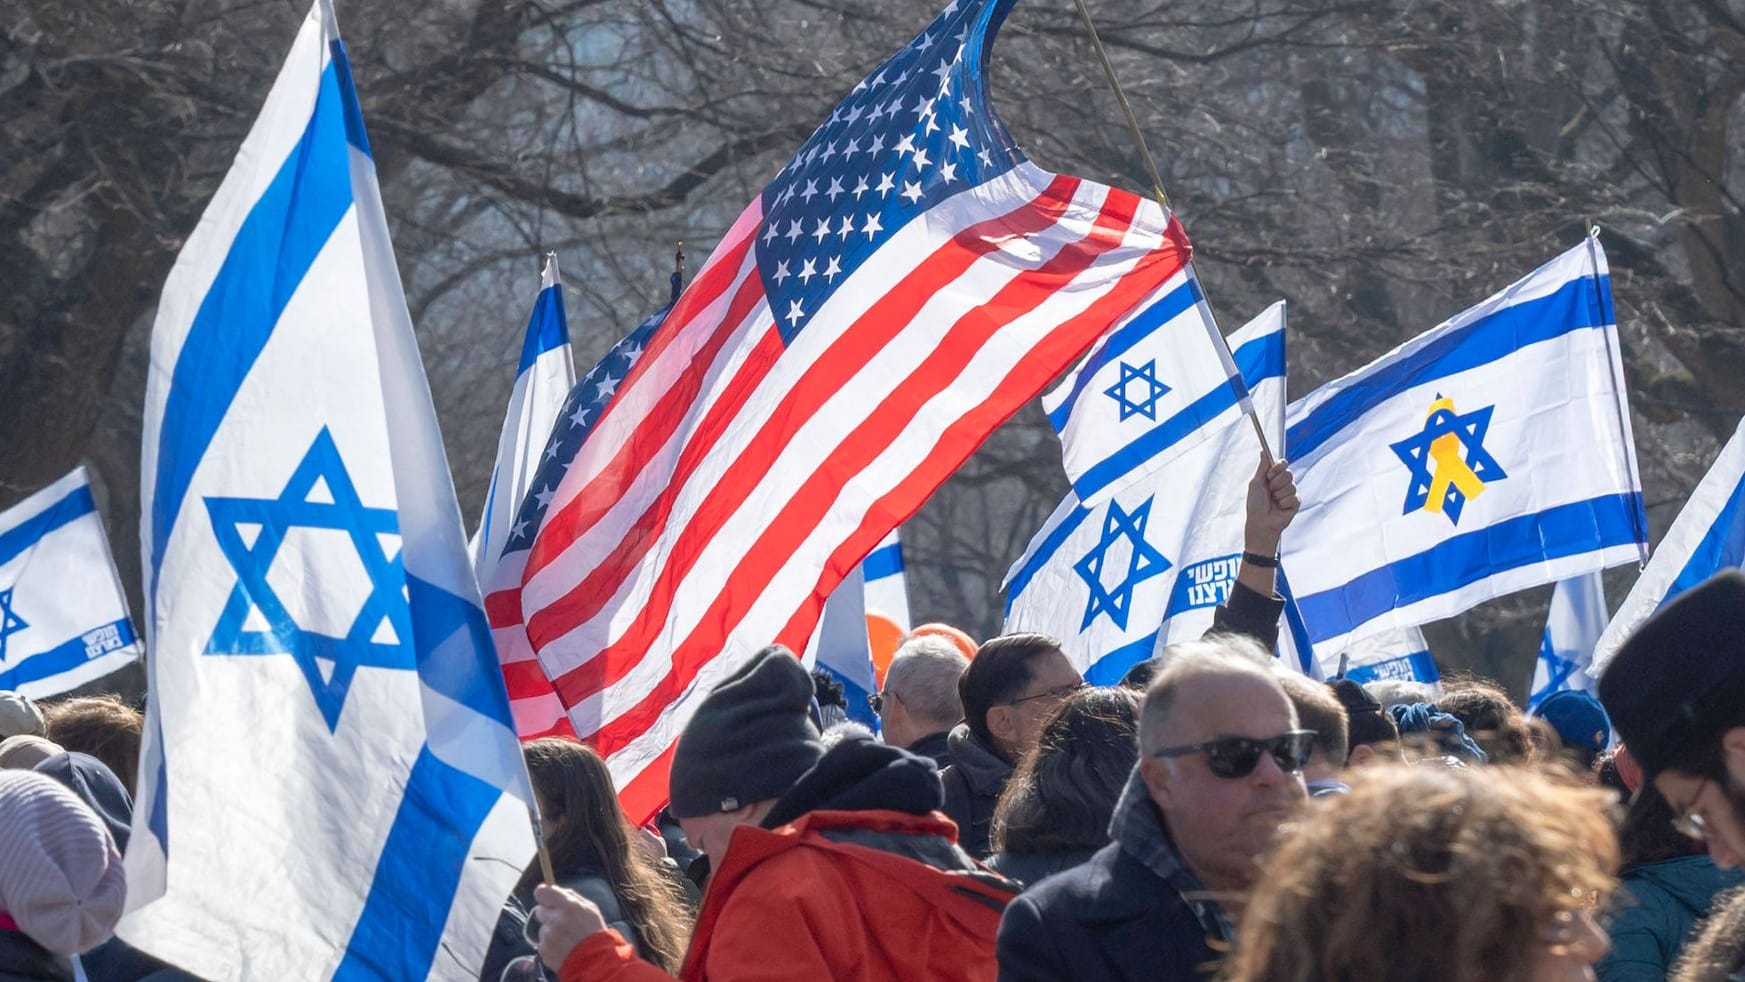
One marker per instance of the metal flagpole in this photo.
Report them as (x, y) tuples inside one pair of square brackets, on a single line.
[(1163, 199)]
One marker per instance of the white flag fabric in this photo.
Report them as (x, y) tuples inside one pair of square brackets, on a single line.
[(1115, 581), (887, 588), (1572, 628), (63, 617), (1708, 536), (1487, 455), (1401, 655), (1157, 385), (543, 380), (330, 786)]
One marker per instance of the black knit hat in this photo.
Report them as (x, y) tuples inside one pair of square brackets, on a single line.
[(1370, 723), (750, 740), (1678, 683)]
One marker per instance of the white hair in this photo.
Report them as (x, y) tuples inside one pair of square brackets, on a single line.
[(924, 674)]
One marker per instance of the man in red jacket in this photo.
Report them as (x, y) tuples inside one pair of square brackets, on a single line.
[(826, 864)]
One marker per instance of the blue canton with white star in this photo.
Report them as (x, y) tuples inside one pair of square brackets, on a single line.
[(10, 622), (587, 400), (1414, 452), (300, 505), (913, 133), (1143, 563), (1144, 380)]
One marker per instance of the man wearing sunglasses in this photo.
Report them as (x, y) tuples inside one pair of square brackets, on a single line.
[(1221, 756), (1676, 695)]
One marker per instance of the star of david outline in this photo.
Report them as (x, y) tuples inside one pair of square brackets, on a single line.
[(10, 622), (1418, 452), (1147, 404), (1558, 671), (275, 517), (1143, 563)]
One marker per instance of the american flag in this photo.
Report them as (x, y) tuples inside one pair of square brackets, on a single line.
[(538, 711), (903, 285)]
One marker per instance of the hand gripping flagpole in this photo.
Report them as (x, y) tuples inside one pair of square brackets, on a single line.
[(1163, 199)]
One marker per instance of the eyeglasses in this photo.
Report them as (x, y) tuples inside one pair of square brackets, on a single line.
[(877, 702), (1234, 757), (1687, 822), (1057, 693)]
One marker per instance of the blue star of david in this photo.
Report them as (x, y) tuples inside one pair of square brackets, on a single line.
[(1146, 376), (1558, 670), (10, 623), (293, 508), (1416, 452), (1143, 563)]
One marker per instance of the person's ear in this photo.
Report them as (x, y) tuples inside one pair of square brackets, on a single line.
[(1361, 755), (1156, 775), (1003, 724)]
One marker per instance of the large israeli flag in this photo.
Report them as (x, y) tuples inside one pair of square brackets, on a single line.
[(1489, 454), (1115, 581), (63, 617), (543, 380), (1157, 385), (330, 785), (1708, 536), (1572, 628)]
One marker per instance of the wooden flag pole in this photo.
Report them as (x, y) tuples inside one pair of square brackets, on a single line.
[(1157, 191)]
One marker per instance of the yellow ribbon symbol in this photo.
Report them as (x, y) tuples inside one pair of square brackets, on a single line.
[(1451, 467)]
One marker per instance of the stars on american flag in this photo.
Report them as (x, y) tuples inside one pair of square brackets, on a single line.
[(905, 138), (582, 410)]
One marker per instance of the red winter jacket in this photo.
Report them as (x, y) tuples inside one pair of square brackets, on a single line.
[(852, 896)]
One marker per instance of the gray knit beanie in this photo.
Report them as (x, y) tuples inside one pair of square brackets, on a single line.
[(750, 739), (60, 877)]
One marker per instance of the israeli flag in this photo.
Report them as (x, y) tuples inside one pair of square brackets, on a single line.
[(330, 784), (543, 381), (1708, 536), (1487, 455), (887, 589), (1157, 385), (1572, 628), (1401, 655), (1118, 580), (63, 616), (840, 646)]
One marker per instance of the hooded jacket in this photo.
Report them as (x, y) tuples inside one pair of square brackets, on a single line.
[(854, 876), (1655, 912), (973, 784)]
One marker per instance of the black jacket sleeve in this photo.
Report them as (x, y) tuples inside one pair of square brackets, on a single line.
[(1025, 946), (1249, 614)]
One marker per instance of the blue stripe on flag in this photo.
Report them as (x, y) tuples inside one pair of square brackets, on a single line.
[(1044, 552), (354, 114), (1722, 547), (1294, 624), (854, 697), (1157, 440), (1170, 306), (1465, 559), (1112, 667), (1261, 358), (63, 657), (882, 562), (401, 925), (455, 655), (1573, 307), (22, 537), (547, 328), (273, 250)]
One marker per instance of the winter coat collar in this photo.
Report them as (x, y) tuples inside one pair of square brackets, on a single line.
[(1139, 833), (985, 770)]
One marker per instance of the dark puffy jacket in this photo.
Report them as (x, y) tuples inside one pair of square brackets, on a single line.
[(1654, 913), (973, 784), (23, 960), (1029, 869)]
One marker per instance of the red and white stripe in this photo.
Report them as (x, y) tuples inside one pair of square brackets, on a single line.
[(734, 481)]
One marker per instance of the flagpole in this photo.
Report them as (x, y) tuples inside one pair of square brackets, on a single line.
[(1163, 199)]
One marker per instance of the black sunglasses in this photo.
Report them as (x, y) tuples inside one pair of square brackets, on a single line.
[(877, 702), (1234, 757)]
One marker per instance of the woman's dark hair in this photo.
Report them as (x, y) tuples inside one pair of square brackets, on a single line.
[(1648, 835), (1063, 792), (1491, 719), (591, 835)]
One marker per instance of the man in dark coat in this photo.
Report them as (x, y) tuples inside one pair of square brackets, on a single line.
[(1219, 772), (919, 704)]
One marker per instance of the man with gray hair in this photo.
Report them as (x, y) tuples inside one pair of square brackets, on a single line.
[(1220, 769), (919, 703)]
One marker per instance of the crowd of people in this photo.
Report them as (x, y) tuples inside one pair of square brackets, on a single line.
[(1213, 817)]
